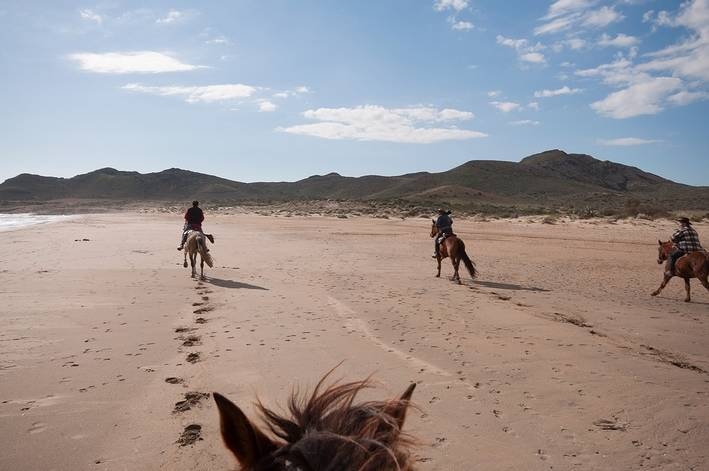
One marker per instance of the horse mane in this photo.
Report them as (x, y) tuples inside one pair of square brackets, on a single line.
[(328, 431)]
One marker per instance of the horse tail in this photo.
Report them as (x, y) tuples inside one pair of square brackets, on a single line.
[(206, 256), (466, 260)]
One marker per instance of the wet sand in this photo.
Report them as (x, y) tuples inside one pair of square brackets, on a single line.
[(555, 358)]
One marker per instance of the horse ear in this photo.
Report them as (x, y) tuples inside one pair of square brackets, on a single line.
[(246, 441), (659, 241), (433, 221), (397, 409)]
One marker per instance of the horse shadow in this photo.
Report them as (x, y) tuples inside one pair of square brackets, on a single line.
[(232, 284), (510, 286)]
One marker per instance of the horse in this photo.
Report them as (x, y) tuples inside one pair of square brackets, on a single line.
[(691, 265), (196, 244), (453, 247), (325, 431)]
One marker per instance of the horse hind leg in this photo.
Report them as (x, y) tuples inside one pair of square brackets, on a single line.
[(201, 268), (456, 266), (686, 287)]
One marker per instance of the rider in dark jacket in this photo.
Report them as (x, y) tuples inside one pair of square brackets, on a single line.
[(193, 221), (444, 224)]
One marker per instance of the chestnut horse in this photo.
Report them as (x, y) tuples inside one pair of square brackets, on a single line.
[(196, 244), (691, 265), (325, 431), (453, 247)]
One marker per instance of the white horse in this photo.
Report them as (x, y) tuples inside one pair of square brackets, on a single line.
[(197, 244)]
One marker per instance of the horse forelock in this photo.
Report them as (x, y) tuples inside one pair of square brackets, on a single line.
[(327, 431)]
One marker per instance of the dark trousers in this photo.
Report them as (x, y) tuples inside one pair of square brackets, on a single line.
[(674, 256)]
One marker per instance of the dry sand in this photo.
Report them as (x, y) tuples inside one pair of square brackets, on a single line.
[(556, 358)]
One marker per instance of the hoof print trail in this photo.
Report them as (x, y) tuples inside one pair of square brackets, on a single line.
[(192, 340), (203, 309), (192, 398), (193, 357), (191, 434), (200, 320)]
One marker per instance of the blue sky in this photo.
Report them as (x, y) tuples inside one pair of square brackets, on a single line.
[(259, 90)]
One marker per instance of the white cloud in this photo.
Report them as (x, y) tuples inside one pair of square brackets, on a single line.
[(533, 105), (457, 5), (533, 57), (524, 122), (197, 94), (575, 43), (141, 62), (564, 7), (217, 40), (505, 106), (462, 25), (627, 141), (91, 15), (172, 17), (376, 123), (642, 98), (565, 90), (525, 51), (266, 106), (564, 15), (685, 97), (302, 89), (602, 17), (621, 40), (494, 93)]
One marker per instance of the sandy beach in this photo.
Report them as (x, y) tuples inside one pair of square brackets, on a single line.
[(556, 357)]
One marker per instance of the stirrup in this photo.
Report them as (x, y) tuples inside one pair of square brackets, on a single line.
[(179, 248)]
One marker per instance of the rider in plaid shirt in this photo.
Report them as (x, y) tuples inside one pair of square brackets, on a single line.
[(686, 240)]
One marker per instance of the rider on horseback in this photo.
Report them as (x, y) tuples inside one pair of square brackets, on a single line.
[(444, 224), (193, 222), (686, 240)]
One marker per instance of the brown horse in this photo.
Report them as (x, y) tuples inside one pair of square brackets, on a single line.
[(196, 244), (325, 431), (691, 265), (453, 247)]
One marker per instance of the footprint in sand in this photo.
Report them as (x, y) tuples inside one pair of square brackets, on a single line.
[(203, 309), (193, 357), (200, 320), (192, 399), (174, 380), (192, 340), (190, 434)]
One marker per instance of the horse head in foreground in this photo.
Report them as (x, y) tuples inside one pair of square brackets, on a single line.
[(197, 244), (454, 247), (691, 265), (324, 432)]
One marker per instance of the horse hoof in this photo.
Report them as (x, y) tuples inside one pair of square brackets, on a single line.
[(184, 264), (654, 293), (687, 300), (438, 276)]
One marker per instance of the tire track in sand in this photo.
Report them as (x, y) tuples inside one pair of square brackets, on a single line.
[(360, 325)]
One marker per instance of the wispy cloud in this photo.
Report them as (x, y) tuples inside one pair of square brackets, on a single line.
[(627, 141), (415, 125), (457, 5), (505, 106), (174, 17), (526, 52), (90, 15), (642, 98), (140, 62), (565, 90), (459, 25), (524, 122), (621, 40), (198, 94), (564, 15), (266, 106)]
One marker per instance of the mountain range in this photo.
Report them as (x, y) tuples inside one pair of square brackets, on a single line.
[(551, 180)]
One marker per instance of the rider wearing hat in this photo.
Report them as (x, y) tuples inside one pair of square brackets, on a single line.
[(444, 224), (193, 221), (686, 240)]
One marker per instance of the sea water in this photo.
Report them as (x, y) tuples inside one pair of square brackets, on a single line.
[(11, 222)]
